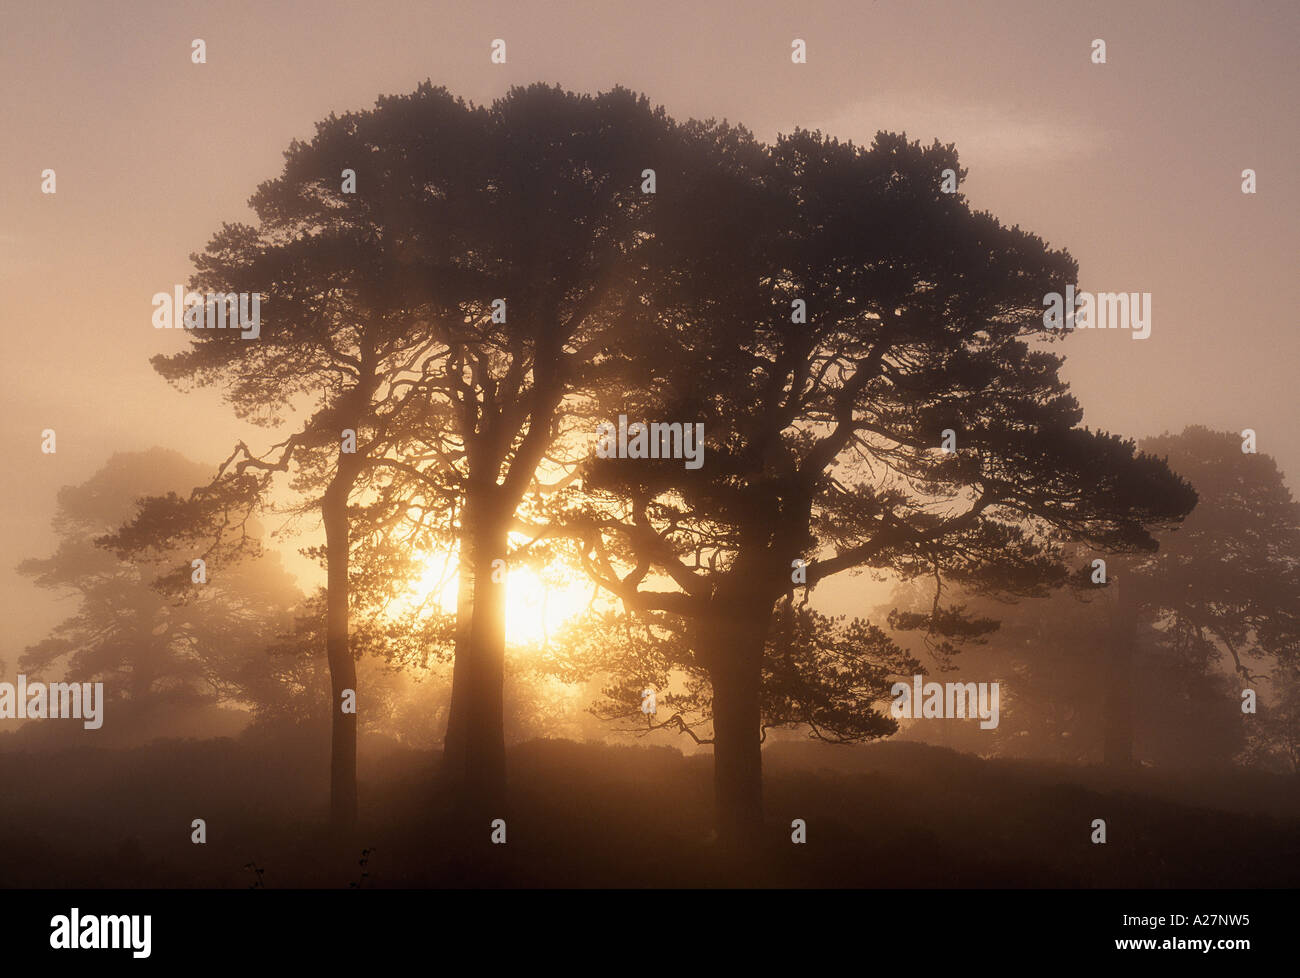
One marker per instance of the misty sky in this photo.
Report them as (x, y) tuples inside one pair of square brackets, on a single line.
[(1133, 166)]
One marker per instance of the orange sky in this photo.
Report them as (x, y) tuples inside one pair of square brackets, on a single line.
[(1134, 166)]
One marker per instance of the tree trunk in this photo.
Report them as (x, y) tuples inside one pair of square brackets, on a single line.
[(474, 753), (735, 657), (343, 669), (454, 741)]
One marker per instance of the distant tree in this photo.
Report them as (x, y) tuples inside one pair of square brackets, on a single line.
[(156, 652), (1225, 586), (1273, 737), (1051, 656), (825, 438), (1181, 630)]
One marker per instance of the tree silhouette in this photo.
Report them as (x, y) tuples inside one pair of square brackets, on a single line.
[(457, 312), (824, 437), (346, 335), (551, 223)]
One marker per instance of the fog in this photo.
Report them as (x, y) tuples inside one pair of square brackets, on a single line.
[(390, 564)]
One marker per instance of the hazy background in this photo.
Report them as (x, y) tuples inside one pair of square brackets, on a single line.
[(1134, 166)]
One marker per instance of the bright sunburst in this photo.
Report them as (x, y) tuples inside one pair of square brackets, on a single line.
[(536, 608)]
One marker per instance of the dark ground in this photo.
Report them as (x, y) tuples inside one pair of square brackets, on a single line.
[(884, 815)]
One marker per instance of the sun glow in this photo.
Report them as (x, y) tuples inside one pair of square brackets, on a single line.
[(537, 605)]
